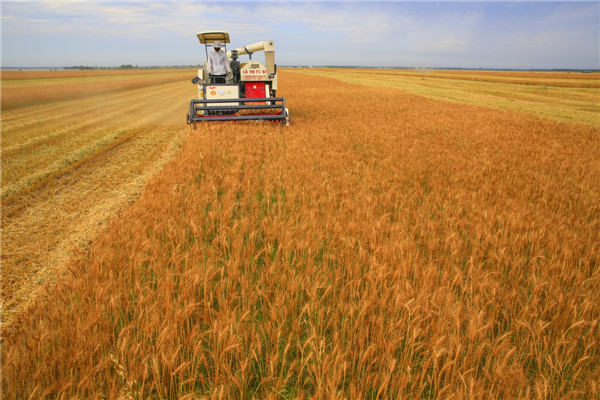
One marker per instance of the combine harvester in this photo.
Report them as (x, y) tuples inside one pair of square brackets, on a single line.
[(249, 91)]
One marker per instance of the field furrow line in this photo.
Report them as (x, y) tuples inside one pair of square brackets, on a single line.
[(74, 110), (18, 97), (74, 204), (79, 174), (83, 140), (84, 124)]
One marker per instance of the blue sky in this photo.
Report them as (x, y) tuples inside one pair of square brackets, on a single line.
[(466, 34)]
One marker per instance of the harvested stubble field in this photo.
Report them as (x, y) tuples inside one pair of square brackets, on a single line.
[(561, 96), (387, 245), (73, 158)]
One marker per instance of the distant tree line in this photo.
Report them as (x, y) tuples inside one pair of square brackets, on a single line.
[(81, 67), (129, 66)]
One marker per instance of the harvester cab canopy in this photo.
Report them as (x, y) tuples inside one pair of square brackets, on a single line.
[(210, 37)]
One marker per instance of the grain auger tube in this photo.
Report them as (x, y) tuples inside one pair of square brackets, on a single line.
[(246, 93)]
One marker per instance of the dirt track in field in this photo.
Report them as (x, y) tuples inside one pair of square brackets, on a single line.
[(70, 165)]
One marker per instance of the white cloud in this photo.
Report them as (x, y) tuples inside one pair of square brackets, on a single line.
[(94, 19), (134, 19), (431, 34)]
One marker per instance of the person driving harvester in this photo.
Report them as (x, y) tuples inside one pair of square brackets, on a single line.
[(217, 64)]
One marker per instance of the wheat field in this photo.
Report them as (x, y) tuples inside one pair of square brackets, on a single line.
[(386, 245)]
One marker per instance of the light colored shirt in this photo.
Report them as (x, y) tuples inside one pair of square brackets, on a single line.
[(217, 62)]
